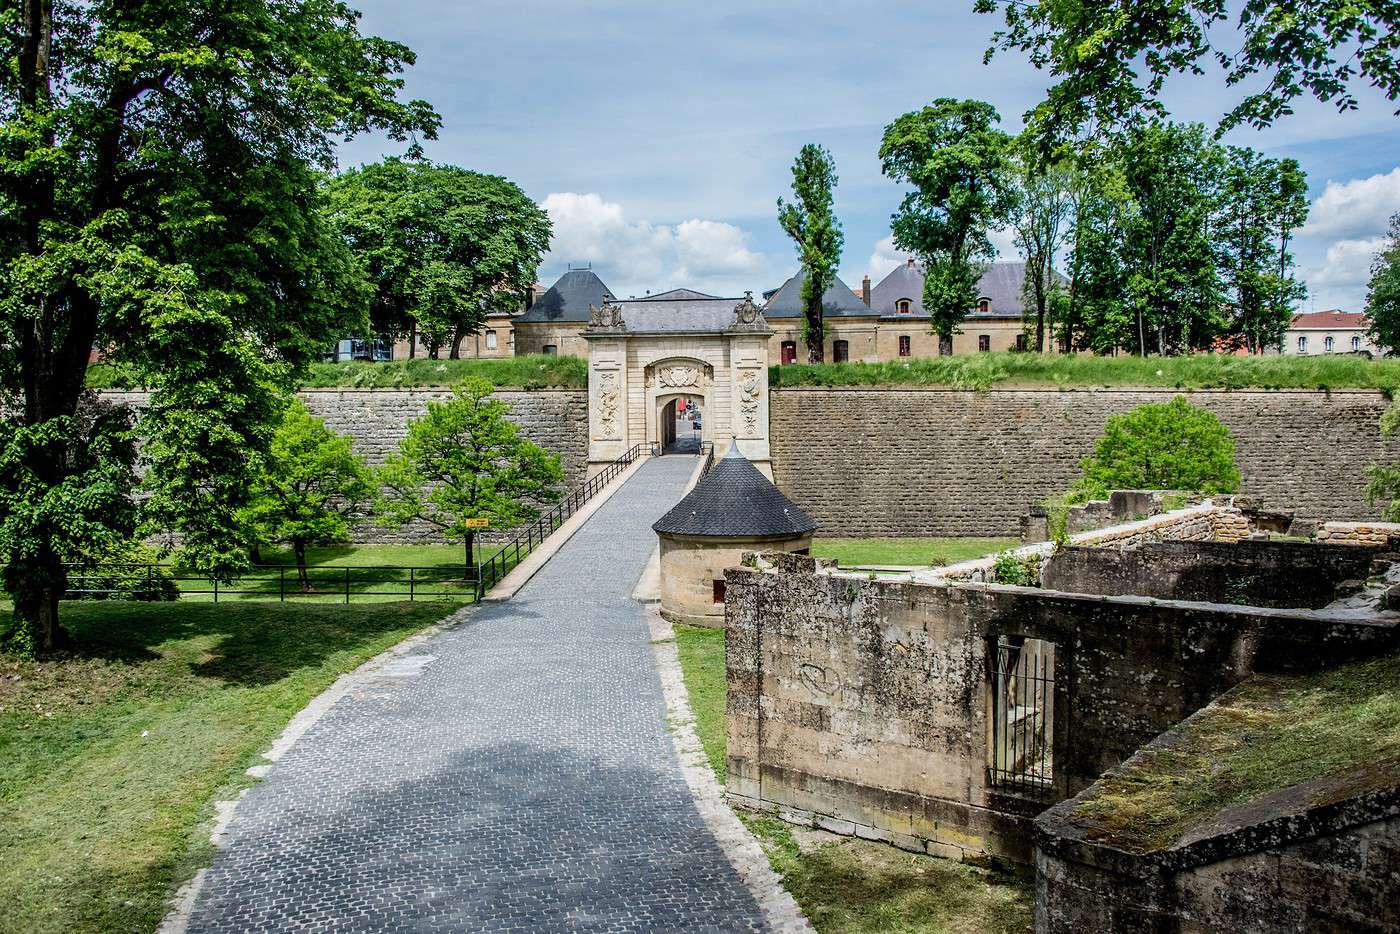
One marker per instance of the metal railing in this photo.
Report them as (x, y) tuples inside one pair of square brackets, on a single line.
[(1023, 714), (707, 451), (280, 582), (490, 571)]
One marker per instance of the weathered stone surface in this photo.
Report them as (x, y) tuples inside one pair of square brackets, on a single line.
[(951, 462)]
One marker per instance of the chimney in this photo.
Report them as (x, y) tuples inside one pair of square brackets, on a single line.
[(865, 291)]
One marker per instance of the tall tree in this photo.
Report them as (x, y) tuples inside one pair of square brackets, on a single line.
[(158, 200), (1111, 60), (1171, 173), (811, 223), (1262, 202), (462, 462), (443, 246), (957, 162), (313, 488), (1096, 314), (1383, 294), (1040, 215)]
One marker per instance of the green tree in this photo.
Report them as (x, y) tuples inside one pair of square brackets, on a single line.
[(1111, 60), (1383, 481), (463, 461), (1171, 176), (313, 488), (443, 246), (1160, 446), (1096, 314), (811, 223), (1383, 292), (158, 200), (1262, 201), (957, 162), (1042, 207)]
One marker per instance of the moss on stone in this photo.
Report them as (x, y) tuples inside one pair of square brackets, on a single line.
[(1270, 733)]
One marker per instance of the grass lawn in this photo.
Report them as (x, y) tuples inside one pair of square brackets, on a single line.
[(922, 552), (1199, 371), (524, 372), (846, 885), (702, 664), (114, 754)]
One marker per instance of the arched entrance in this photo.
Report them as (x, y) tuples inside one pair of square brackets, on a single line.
[(680, 423)]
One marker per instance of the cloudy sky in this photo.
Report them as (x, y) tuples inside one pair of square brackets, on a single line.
[(659, 135)]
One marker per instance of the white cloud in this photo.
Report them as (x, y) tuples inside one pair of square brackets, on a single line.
[(637, 256), (884, 260), (1358, 208), (1340, 280)]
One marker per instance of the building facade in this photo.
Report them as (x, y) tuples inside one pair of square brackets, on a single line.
[(1319, 333)]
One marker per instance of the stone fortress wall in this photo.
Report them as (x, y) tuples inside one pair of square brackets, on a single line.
[(941, 462)]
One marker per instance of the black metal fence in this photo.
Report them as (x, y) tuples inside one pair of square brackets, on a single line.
[(1023, 714), (280, 582), (707, 451), (490, 571)]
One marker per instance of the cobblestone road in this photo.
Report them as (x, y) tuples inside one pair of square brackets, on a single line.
[(523, 781)]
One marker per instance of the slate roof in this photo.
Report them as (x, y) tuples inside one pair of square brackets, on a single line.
[(1001, 282), (568, 299), (674, 295), (656, 315), (734, 500), (838, 301)]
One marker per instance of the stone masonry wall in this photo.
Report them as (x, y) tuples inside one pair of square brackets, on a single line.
[(898, 462), (376, 420)]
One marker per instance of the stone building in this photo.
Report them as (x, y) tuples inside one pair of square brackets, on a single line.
[(731, 510), (1319, 333), (1100, 724)]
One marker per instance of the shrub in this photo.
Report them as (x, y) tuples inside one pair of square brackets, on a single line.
[(1020, 570), (128, 571), (1160, 446)]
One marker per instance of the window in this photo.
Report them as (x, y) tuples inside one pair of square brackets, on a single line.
[(984, 343), (490, 340), (1022, 342), (904, 306), (1023, 714), (719, 590), (1303, 343), (904, 345), (945, 345), (789, 351), (1355, 344), (984, 305), (377, 350), (840, 351), (1327, 344), (551, 350)]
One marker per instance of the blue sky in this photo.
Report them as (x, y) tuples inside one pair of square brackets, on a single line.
[(659, 135)]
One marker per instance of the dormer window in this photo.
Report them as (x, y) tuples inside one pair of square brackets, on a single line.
[(904, 306), (984, 305)]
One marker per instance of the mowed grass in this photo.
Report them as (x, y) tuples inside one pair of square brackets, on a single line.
[(702, 664), (524, 372), (1198, 371), (918, 552), (846, 885), (114, 754)]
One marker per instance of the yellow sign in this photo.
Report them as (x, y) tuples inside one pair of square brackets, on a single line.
[(476, 523)]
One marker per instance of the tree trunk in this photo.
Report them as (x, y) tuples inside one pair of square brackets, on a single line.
[(412, 339), (816, 340), (299, 549), (468, 542), (456, 353)]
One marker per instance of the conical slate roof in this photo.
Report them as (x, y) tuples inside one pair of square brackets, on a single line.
[(734, 500)]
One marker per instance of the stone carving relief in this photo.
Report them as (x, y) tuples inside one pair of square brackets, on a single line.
[(679, 376), (607, 318), (749, 391), (747, 315), (819, 680), (609, 400)]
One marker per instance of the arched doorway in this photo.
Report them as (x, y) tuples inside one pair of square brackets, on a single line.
[(680, 423)]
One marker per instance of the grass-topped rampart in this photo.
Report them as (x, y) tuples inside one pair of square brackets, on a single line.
[(1010, 370)]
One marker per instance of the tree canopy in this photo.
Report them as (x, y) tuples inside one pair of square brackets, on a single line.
[(158, 200), (956, 160), (1383, 291), (1111, 61), (811, 223), (442, 246)]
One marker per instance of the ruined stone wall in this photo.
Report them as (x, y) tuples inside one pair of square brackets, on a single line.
[(375, 420), (949, 462), (861, 706)]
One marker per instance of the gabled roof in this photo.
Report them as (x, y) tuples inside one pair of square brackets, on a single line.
[(675, 295), (568, 299), (1334, 319), (734, 500), (1001, 282), (837, 301)]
